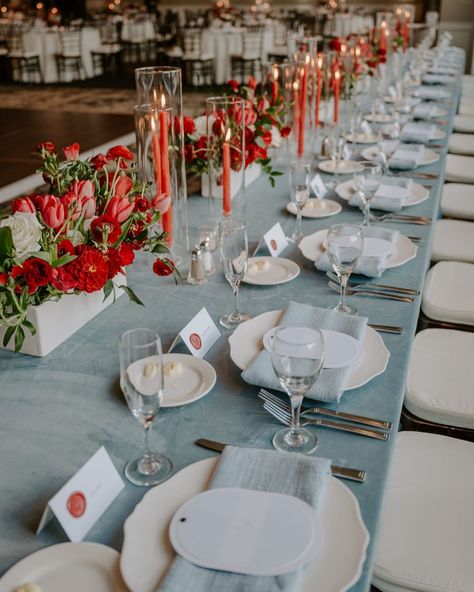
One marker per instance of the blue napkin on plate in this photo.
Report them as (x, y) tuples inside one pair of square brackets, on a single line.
[(331, 381), (390, 196), (420, 133), (437, 79), (407, 156), (424, 111), (304, 477), (369, 266), (432, 93)]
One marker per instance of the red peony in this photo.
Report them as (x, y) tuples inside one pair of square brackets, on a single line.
[(72, 152), (65, 247), (23, 204), (105, 229), (63, 279), (89, 270), (119, 152), (163, 266), (36, 272), (126, 254), (252, 83)]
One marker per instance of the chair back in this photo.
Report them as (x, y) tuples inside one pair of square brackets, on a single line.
[(191, 43), (280, 31), (109, 30), (252, 41), (70, 40), (15, 40)]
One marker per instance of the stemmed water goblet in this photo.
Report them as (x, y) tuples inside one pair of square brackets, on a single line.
[(297, 358), (299, 191), (335, 148), (345, 244), (367, 179), (141, 381), (233, 251)]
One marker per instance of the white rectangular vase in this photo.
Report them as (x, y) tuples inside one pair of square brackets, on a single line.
[(252, 172), (56, 321)]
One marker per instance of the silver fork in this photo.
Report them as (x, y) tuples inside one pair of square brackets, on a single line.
[(421, 220), (377, 293), (377, 423), (375, 286), (285, 418)]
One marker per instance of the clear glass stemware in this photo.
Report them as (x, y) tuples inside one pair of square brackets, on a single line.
[(367, 179), (297, 358), (141, 381), (336, 142), (299, 188)]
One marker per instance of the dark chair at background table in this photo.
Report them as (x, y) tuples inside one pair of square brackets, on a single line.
[(69, 61), (248, 61), (24, 65)]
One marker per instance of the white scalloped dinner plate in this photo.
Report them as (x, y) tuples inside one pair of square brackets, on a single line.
[(429, 157), (418, 193), (147, 552), (71, 567), (246, 342), (362, 138)]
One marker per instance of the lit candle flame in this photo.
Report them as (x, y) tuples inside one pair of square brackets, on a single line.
[(227, 135), (337, 75), (153, 124), (163, 101), (275, 73)]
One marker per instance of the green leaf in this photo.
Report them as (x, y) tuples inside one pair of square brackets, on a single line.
[(109, 286), (63, 260), (160, 248), (31, 328), (6, 242), (276, 173), (19, 338), (42, 255), (8, 335), (131, 294)]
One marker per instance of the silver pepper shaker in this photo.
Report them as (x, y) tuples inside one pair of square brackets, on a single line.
[(207, 259), (196, 275)]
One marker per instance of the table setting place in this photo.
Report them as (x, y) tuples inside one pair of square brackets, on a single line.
[(269, 420)]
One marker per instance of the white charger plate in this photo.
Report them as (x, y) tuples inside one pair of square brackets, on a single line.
[(312, 247), (345, 167), (438, 112), (196, 379), (316, 208), (246, 343), (429, 157), (362, 138), (278, 271), (418, 193), (147, 552), (379, 117), (340, 349), (74, 567)]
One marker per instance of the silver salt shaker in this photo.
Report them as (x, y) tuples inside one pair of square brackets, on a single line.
[(207, 259), (197, 275)]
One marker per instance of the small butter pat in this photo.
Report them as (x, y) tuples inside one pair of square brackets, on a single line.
[(172, 368), (149, 369), (28, 588), (253, 268), (263, 265)]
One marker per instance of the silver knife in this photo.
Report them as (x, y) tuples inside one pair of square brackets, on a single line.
[(341, 472)]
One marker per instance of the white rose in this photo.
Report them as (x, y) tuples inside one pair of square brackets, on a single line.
[(26, 232), (201, 126), (276, 137)]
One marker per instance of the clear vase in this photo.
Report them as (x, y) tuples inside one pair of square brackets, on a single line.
[(303, 110)]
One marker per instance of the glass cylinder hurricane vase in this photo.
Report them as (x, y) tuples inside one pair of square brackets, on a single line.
[(160, 86), (303, 106), (226, 149)]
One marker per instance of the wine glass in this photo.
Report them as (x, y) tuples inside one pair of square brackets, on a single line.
[(234, 256), (344, 248), (141, 381), (297, 358), (388, 140), (367, 179), (299, 186), (335, 147)]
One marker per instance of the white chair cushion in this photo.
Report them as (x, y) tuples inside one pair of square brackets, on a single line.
[(468, 79), (457, 201), (464, 124), (426, 536), (453, 240), (448, 294), (466, 107), (461, 144), (467, 92), (459, 168), (440, 383)]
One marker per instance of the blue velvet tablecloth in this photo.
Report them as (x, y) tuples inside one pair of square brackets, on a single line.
[(57, 411)]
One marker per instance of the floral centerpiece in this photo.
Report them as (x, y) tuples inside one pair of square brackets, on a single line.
[(263, 129), (78, 237), (224, 12)]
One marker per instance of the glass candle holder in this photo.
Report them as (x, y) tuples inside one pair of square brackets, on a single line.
[(303, 106)]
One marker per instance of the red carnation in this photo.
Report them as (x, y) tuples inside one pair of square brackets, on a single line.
[(89, 270), (163, 266), (105, 229), (119, 152)]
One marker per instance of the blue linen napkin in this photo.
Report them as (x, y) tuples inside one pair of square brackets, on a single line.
[(432, 93), (407, 156), (369, 266), (304, 477), (390, 196), (424, 111), (420, 133), (437, 79), (331, 381)]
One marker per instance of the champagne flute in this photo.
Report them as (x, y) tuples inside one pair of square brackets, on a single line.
[(367, 179), (335, 146), (297, 358), (299, 186), (345, 244), (234, 256), (141, 381)]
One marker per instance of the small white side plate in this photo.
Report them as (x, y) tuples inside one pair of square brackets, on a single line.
[(345, 166), (361, 138), (270, 271), (379, 117), (194, 378), (317, 208)]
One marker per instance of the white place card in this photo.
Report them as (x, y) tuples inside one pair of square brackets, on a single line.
[(275, 240), (318, 187), (365, 127), (199, 335), (346, 152), (81, 502)]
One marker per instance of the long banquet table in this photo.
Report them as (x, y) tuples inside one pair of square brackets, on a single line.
[(57, 411)]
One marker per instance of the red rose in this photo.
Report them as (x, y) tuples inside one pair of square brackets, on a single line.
[(72, 152), (53, 210), (189, 126), (23, 204), (119, 208), (105, 229), (119, 152), (252, 83), (36, 272), (89, 270), (188, 152), (99, 161), (3, 279), (201, 146), (163, 266), (285, 131), (48, 146), (63, 279), (335, 44), (123, 186), (234, 84)]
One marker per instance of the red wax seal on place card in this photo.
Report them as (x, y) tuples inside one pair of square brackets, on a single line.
[(76, 504), (195, 341), (273, 244)]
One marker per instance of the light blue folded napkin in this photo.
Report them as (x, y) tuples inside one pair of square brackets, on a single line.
[(407, 156), (390, 196), (304, 477), (331, 381), (424, 111), (432, 93), (446, 70), (437, 79), (369, 266), (420, 133)]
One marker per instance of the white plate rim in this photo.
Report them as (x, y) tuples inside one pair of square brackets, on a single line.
[(402, 243), (324, 164), (430, 156), (290, 265), (197, 477), (96, 553), (372, 119), (349, 138), (359, 374), (418, 195), (310, 213), (207, 372)]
